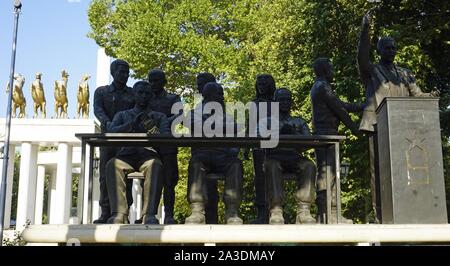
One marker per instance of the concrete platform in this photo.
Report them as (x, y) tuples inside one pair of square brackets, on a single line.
[(204, 234)]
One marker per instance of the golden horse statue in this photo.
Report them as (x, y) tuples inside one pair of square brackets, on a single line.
[(61, 102), (37, 92), (18, 100), (83, 97)]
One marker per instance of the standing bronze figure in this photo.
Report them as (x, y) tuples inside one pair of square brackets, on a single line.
[(109, 100), (83, 97), (328, 112), (61, 102), (162, 102), (211, 212), (383, 79), (38, 95), (265, 88)]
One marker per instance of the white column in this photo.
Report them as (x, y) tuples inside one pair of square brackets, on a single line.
[(95, 188), (27, 185), (132, 210), (9, 184), (161, 214), (63, 203), (51, 207), (136, 207), (96, 210), (40, 187), (137, 184)]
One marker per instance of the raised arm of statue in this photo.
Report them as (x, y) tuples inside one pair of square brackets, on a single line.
[(364, 48)]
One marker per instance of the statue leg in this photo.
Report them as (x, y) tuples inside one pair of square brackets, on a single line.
[(374, 177), (233, 190), (106, 154), (306, 181), (22, 111), (35, 106), (116, 183), (43, 110), (56, 110), (65, 110), (152, 189), (14, 108), (273, 173), (260, 182), (170, 163), (196, 199), (321, 188), (212, 202)]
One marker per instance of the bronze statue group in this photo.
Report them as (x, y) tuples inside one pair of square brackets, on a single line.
[(146, 108)]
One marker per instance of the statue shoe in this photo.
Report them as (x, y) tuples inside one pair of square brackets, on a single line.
[(195, 218), (276, 216), (198, 214), (103, 219), (118, 218), (150, 219), (231, 214), (169, 220), (234, 220), (304, 214)]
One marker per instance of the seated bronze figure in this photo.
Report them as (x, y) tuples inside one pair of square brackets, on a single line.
[(140, 119)]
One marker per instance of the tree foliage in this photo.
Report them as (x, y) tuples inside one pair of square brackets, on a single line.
[(236, 40)]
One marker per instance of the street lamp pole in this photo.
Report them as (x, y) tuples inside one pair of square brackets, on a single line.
[(17, 9)]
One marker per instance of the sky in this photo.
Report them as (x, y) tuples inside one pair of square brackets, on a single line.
[(52, 36)]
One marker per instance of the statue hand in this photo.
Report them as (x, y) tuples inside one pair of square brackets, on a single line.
[(435, 93), (149, 124), (140, 118), (153, 130), (367, 17)]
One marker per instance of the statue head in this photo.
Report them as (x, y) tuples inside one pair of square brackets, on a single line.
[(19, 78), (284, 97), (38, 75), (265, 86), (86, 77), (204, 78), (323, 68), (64, 74), (213, 92), (387, 49), (120, 71), (142, 93), (157, 80)]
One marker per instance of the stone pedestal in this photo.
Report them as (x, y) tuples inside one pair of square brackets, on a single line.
[(410, 161)]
